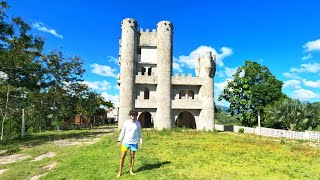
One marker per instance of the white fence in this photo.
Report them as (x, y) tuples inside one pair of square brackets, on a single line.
[(306, 135)]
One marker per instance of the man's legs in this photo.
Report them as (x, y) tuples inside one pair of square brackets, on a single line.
[(123, 156), (132, 162)]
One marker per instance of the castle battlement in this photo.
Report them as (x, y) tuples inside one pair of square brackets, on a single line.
[(185, 80), (147, 30), (146, 79), (147, 37), (183, 75)]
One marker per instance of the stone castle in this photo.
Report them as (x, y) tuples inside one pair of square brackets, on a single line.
[(148, 86)]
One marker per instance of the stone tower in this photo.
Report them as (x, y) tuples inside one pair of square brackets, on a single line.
[(164, 60), (205, 69), (128, 46), (147, 84)]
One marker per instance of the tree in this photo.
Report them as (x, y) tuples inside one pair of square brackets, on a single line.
[(253, 88), (46, 85), (291, 114), (20, 63)]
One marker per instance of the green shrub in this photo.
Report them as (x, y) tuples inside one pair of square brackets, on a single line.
[(241, 130), (11, 149), (30, 131)]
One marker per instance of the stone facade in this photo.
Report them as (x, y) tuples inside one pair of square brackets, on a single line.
[(148, 86)]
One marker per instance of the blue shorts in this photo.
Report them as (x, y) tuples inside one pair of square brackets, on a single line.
[(132, 147)]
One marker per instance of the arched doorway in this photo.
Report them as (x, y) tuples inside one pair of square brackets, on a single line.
[(186, 119), (145, 120)]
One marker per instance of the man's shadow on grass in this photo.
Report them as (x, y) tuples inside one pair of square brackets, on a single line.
[(152, 166)]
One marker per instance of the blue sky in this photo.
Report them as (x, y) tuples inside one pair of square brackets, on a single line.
[(282, 35)]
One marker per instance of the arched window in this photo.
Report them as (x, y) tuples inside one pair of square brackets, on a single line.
[(190, 94), (149, 71), (143, 70), (182, 94), (146, 93), (139, 50)]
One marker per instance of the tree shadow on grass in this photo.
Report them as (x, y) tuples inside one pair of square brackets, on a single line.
[(152, 166)]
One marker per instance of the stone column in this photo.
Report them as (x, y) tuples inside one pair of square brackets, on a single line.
[(127, 68), (164, 68)]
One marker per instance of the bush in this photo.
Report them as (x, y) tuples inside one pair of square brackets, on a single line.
[(241, 130), (30, 131), (11, 150)]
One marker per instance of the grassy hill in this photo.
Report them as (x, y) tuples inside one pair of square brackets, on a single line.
[(168, 154)]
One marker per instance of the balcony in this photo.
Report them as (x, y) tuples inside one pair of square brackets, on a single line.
[(186, 104), (146, 79), (145, 103)]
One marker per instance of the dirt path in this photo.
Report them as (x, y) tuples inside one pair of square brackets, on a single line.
[(3, 170), (65, 142), (13, 158)]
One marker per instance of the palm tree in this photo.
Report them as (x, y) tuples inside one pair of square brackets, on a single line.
[(293, 115)]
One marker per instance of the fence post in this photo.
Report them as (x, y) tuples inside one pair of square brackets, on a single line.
[(259, 123), (23, 124)]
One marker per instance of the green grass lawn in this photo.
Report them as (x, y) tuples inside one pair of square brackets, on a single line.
[(169, 154)]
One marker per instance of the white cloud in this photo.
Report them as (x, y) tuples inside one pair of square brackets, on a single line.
[(113, 98), (98, 85), (41, 27), (225, 53), (103, 70), (310, 67), (292, 83), (306, 57), (291, 75), (217, 91), (230, 71), (176, 67), (116, 87), (220, 74), (223, 103), (312, 45), (303, 94), (313, 84), (112, 59), (222, 85), (227, 72), (201, 50)]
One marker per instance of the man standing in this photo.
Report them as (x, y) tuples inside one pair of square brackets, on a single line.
[(130, 133)]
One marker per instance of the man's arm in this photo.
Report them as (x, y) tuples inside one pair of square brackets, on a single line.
[(140, 134), (121, 135)]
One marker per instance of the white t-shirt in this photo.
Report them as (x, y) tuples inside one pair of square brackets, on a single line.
[(130, 132)]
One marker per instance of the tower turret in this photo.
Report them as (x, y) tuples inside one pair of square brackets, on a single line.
[(207, 68), (164, 65), (128, 45)]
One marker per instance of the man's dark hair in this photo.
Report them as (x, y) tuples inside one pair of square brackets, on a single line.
[(133, 113)]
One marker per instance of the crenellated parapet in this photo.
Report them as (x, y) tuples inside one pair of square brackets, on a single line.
[(185, 80), (146, 79), (205, 65), (147, 31), (147, 37)]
